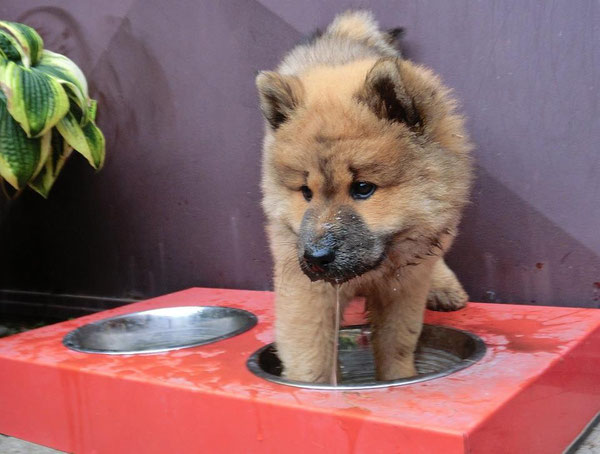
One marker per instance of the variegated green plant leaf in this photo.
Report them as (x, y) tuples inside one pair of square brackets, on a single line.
[(87, 139), (9, 48), (29, 41), (92, 109), (59, 152), (20, 157), (67, 73), (44, 153), (36, 100)]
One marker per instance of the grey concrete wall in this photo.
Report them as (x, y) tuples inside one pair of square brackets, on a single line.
[(177, 204)]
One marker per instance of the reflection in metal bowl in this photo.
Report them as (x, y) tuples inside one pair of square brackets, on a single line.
[(441, 351), (160, 330)]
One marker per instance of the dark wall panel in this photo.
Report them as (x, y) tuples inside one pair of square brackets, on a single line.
[(177, 204)]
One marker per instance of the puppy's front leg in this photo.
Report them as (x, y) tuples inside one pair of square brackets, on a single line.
[(304, 327), (396, 308), (446, 293)]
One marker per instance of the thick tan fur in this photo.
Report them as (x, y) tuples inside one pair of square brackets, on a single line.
[(321, 108)]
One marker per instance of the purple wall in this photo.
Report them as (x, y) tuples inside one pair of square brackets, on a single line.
[(177, 204)]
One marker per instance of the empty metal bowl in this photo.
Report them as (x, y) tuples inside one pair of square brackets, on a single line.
[(441, 351), (160, 330)]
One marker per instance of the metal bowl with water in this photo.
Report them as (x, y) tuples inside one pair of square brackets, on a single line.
[(160, 330), (441, 351)]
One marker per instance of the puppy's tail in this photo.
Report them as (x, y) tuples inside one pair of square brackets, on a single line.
[(360, 25)]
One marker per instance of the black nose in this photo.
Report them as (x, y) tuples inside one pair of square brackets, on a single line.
[(319, 256)]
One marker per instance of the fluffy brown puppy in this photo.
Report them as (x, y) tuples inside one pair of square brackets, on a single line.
[(366, 170)]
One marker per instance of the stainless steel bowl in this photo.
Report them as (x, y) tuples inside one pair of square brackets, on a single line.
[(160, 330), (441, 351)]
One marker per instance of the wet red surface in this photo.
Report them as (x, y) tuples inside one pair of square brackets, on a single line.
[(535, 389)]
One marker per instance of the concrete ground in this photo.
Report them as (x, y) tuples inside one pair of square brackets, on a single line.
[(9, 445), (591, 444)]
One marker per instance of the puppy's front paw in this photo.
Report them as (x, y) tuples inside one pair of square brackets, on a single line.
[(447, 299), (396, 370), (308, 376)]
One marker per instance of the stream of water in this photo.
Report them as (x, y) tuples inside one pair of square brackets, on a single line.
[(334, 363)]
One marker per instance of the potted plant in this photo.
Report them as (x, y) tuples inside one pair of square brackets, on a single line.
[(45, 112)]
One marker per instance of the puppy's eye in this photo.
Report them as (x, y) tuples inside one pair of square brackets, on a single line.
[(306, 192), (362, 190)]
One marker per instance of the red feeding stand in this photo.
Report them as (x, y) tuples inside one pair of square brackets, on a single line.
[(534, 391)]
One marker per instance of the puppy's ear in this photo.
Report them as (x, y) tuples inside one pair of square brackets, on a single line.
[(386, 94), (279, 96)]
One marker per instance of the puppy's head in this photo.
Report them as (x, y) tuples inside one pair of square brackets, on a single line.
[(362, 162)]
